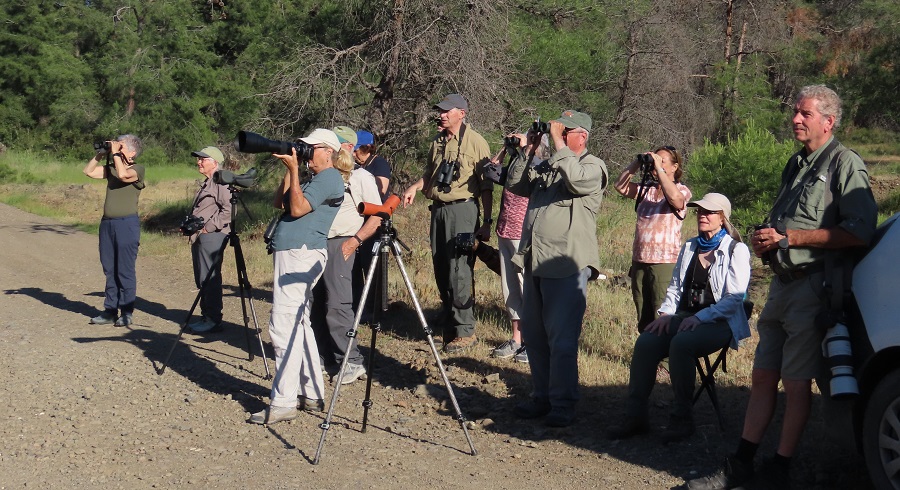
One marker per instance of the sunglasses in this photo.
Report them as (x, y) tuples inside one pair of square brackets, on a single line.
[(706, 212)]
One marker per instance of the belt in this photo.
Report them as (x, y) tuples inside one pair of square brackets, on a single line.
[(440, 204), (788, 277)]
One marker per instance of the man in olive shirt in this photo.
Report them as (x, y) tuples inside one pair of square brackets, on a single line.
[(824, 208), (558, 255), (120, 229), (452, 179)]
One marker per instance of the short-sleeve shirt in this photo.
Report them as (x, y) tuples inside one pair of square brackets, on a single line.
[(360, 187), (657, 233), (379, 167), (323, 192), (122, 197), (801, 201), (471, 153)]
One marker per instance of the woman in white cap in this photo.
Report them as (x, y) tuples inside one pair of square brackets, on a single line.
[(299, 245), (703, 311)]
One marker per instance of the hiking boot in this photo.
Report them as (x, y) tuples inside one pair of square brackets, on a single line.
[(532, 409), (460, 344), (679, 428), (273, 414), (124, 320), (506, 350), (521, 355), (352, 373), (196, 322), (105, 318), (632, 426), (206, 326), (560, 417), (736, 473), (310, 404)]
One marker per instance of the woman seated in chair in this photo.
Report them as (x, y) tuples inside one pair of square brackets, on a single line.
[(703, 311)]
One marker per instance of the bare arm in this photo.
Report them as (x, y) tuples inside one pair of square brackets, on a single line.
[(410, 192), (624, 184), (668, 186), (297, 203), (93, 169), (836, 237)]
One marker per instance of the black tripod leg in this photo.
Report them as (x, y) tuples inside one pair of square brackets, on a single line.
[(209, 274), (326, 424), (367, 402), (459, 415), (246, 291)]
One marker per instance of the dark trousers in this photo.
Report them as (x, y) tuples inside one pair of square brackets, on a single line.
[(332, 312), (552, 316), (682, 348), (361, 266), (452, 270), (119, 242), (205, 252)]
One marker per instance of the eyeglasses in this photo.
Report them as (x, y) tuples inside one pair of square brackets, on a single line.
[(706, 212)]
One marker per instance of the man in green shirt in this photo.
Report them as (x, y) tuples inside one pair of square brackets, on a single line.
[(452, 179), (120, 229), (824, 208), (558, 255)]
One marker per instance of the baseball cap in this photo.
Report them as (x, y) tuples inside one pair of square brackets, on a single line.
[(321, 136), (574, 119), (210, 152), (452, 101), (364, 138), (713, 202), (345, 134)]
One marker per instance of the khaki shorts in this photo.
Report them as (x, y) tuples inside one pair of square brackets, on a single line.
[(789, 340)]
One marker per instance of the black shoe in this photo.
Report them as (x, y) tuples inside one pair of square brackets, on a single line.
[(736, 473), (124, 320), (631, 427), (679, 428), (560, 417), (532, 409)]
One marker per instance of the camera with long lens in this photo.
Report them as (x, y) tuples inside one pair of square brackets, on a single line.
[(191, 224), (465, 243), (245, 180), (512, 142), (837, 349), (448, 171), (102, 146), (540, 127), (247, 142)]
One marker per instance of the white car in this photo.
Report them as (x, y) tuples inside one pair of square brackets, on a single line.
[(872, 419)]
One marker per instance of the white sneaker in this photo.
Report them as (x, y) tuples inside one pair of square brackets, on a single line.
[(273, 414), (352, 373)]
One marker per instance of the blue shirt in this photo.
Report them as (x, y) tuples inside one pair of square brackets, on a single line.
[(324, 193)]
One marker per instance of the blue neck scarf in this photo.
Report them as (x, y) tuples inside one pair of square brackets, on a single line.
[(705, 245)]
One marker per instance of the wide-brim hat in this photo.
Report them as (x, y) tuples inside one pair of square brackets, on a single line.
[(210, 152), (321, 136), (345, 134), (574, 120), (713, 202), (452, 101)]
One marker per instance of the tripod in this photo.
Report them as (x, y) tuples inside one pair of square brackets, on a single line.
[(387, 241), (246, 290)]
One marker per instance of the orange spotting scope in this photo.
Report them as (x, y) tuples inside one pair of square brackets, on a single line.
[(382, 210)]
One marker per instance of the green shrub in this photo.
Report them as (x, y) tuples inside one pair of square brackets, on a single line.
[(746, 169)]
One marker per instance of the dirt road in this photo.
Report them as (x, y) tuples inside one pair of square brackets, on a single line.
[(84, 407)]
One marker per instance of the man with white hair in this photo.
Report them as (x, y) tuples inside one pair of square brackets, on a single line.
[(823, 211)]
